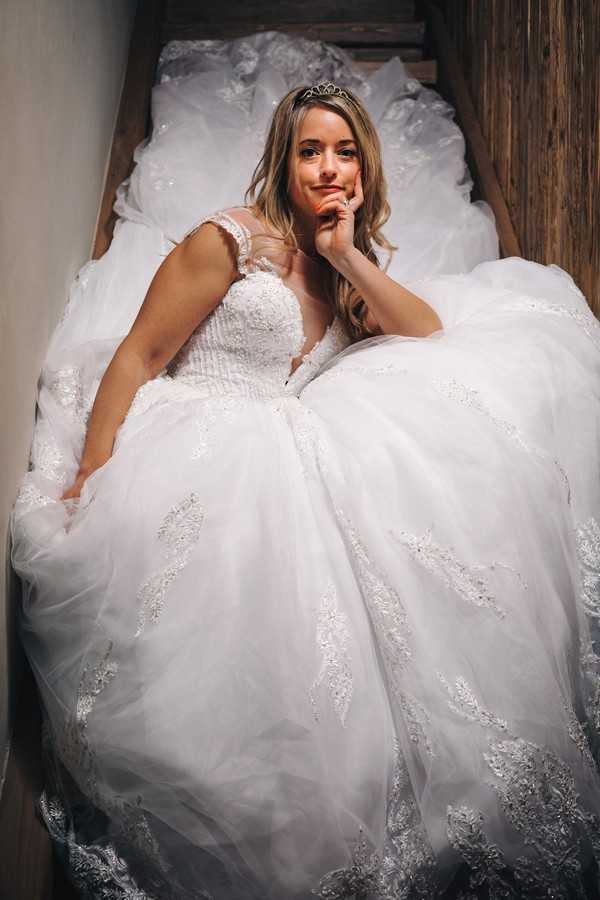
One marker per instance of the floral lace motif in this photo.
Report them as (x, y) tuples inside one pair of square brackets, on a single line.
[(456, 390), (239, 233), (538, 796), (73, 745), (584, 319), (66, 387), (29, 498), (383, 603), (467, 581), (97, 871), (404, 870), (588, 553), (333, 638), (179, 532)]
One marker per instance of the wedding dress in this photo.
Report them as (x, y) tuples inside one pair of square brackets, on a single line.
[(324, 629)]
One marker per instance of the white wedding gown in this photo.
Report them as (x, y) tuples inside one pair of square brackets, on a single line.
[(332, 632)]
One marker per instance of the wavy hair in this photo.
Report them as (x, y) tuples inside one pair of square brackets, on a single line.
[(268, 190)]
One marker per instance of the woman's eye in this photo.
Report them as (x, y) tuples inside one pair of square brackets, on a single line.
[(349, 152), (307, 152)]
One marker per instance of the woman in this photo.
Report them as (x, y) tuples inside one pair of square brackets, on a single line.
[(323, 634)]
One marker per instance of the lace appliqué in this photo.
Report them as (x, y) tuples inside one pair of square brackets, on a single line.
[(455, 390), (464, 829), (588, 552), (538, 796), (404, 870), (179, 532), (47, 457), (333, 639), (585, 320), (97, 871), (29, 498), (466, 581), (384, 605), (66, 386), (240, 234), (73, 745), (216, 412), (464, 703)]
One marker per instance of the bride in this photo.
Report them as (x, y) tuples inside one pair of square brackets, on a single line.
[(311, 592)]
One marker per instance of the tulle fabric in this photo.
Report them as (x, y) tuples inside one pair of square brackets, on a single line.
[(339, 640)]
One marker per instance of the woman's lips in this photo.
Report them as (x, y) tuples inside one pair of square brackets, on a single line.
[(328, 190)]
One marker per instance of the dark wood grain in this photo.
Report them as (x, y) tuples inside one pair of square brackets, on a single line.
[(533, 70), (481, 165), (182, 11), (346, 34), (133, 119), (26, 865), (424, 71)]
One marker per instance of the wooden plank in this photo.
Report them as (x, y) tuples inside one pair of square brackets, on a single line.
[(133, 119), (185, 11), (406, 54), (533, 71), (346, 34), (26, 857), (424, 71), (484, 172)]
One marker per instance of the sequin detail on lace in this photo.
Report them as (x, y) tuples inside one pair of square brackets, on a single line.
[(66, 387), (456, 390), (404, 870), (97, 871), (384, 605), (584, 319), (464, 703), (333, 639), (588, 553), (237, 231), (47, 457), (466, 581), (215, 412), (485, 860), (539, 798), (29, 498), (74, 748), (179, 532)]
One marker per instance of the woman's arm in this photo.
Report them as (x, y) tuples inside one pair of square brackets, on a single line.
[(189, 284), (391, 309), (395, 309)]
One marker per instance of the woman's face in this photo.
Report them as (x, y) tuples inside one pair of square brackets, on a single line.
[(323, 160)]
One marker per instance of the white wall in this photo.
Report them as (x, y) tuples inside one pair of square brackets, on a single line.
[(62, 65)]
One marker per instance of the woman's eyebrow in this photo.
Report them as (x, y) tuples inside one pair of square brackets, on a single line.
[(317, 141)]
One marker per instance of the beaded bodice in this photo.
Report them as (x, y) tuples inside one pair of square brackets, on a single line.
[(247, 344)]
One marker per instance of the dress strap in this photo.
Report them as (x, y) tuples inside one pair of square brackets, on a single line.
[(240, 234)]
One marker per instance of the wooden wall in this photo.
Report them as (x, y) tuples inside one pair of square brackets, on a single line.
[(533, 68)]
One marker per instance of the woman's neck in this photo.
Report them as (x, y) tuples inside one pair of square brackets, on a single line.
[(304, 232)]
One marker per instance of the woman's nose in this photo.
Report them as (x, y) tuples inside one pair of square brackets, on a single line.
[(328, 165)]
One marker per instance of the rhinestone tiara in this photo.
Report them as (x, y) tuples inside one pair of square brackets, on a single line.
[(324, 89)]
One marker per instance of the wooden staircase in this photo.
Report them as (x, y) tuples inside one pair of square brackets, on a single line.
[(371, 33)]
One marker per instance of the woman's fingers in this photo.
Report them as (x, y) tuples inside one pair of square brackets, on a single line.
[(331, 205), (359, 197)]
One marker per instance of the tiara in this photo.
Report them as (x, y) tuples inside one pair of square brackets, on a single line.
[(324, 89)]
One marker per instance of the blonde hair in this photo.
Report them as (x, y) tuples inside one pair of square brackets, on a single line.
[(268, 190)]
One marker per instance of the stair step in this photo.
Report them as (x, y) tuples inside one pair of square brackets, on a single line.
[(383, 53), (424, 71), (187, 11), (346, 34)]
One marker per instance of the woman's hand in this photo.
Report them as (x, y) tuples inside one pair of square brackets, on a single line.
[(75, 490), (334, 235)]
